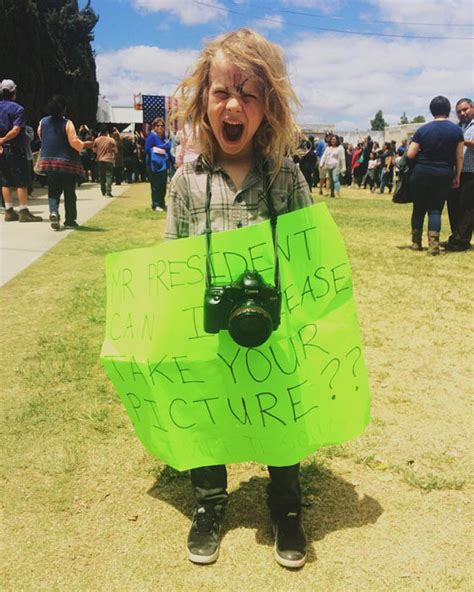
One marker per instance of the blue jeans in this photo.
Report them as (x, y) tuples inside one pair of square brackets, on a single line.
[(334, 179), (158, 188), (59, 183), (386, 180), (106, 176), (429, 194)]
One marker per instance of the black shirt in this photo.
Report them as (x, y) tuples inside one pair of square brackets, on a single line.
[(438, 141)]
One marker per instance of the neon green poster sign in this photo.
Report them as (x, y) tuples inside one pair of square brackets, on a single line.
[(197, 399)]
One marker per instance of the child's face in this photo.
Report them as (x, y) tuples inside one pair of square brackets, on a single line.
[(234, 108)]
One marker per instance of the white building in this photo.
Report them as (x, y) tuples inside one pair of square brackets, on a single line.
[(106, 113)]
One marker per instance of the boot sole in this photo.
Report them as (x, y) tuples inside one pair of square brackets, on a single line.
[(292, 563), (203, 559)]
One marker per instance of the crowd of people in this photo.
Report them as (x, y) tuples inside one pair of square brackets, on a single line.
[(66, 158), (441, 163), (129, 159), (329, 162), (107, 156)]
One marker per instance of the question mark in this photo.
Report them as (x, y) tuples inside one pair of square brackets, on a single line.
[(338, 365), (356, 359)]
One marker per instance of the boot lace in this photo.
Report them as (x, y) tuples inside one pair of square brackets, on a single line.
[(204, 519)]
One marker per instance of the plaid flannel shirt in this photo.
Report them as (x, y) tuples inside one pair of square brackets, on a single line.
[(230, 208)]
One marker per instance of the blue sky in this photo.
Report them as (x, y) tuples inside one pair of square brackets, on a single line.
[(409, 51)]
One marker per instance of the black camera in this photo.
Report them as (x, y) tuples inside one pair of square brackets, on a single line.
[(249, 308)]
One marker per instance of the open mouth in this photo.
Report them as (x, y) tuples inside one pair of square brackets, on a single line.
[(233, 131)]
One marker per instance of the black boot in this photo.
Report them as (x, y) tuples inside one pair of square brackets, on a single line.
[(205, 534), (416, 235), (290, 540), (433, 242)]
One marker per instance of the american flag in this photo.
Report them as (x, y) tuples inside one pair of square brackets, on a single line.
[(157, 106)]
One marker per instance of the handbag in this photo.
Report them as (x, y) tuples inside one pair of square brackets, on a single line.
[(402, 195)]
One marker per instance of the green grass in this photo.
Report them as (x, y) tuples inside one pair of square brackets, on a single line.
[(86, 508)]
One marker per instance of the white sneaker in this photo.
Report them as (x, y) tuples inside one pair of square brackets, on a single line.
[(54, 219), (158, 209)]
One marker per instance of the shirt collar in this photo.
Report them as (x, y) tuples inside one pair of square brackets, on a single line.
[(466, 126), (202, 165)]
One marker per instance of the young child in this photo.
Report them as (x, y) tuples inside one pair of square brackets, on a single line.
[(237, 102), (371, 172)]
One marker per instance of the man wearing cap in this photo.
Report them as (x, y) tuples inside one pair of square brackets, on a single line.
[(13, 161)]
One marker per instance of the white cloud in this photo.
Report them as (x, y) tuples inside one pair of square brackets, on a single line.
[(442, 13), (268, 22), (327, 6), (150, 70), (339, 79), (189, 13)]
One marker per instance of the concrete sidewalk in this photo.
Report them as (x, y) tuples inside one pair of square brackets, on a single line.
[(21, 244)]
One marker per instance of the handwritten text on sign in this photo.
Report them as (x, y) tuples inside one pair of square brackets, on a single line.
[(197, 399)]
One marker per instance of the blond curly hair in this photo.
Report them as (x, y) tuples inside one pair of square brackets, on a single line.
[(256, 57)]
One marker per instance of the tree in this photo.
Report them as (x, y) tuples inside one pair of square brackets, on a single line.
[(378, 123), (403, 119), (45, 47), (418, 119)]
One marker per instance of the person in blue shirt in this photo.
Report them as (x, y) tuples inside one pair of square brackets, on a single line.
[(13, 161), (438, 147), (158, 160)]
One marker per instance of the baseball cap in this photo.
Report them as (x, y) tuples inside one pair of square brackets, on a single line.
[(8, 85)]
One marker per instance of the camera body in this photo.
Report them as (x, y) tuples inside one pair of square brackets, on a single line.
[(249, 308)]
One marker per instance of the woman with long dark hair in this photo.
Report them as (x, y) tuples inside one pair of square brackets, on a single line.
[(60, 160), (439, 150), (334, 161)]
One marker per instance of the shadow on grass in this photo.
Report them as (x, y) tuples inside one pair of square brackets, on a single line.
[(80, 228), (91, 229), (146, 214), (330, 503), (408, 248)]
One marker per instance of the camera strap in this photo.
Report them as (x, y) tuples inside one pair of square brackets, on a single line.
[(208, 230), (273, 222)]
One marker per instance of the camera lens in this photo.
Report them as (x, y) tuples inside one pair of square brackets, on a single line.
[(250, 325)]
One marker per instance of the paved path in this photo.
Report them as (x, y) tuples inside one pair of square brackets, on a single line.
[(21, 244)]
